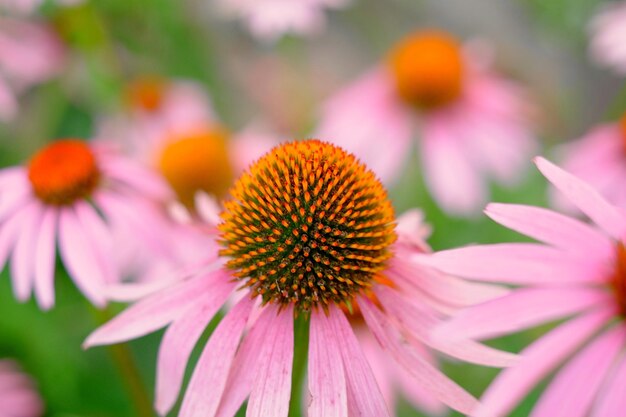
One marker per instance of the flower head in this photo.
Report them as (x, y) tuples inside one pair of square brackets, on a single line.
[(576, 273), (608, 33), (18, 396), (599, 158), (471, 121), (308, 231), (171, 127), (75, 193), (270, 19), (30, 53)]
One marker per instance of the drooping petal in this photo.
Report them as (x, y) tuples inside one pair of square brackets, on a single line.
[(179, 341), (364, 396), (79, 257), (538, 360), (613, 401), (99, 238), (552, 228), (420, 322), (451, 178), (45, 256), (573, 390), (327, 383), (154, 312), (453, 291), (209, 378), (424, 373), (22, 265), (243, 370), (9, 231), (271, 390), (360, 115), (588, 200), (516, 263), (520, 310)]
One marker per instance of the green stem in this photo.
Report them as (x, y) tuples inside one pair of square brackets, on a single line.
[(301, 345), (125, 363)]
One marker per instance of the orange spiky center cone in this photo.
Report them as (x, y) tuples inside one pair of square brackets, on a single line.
[(197, 161), (308, 224), (63, 172), (427, 68)]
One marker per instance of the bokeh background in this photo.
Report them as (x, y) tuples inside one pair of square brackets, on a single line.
[(278, 86)]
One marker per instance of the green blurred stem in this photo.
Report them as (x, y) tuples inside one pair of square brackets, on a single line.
[(301, 345), (125, 363), (618, 105)]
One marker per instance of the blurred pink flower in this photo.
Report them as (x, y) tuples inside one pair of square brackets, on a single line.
[(608, 37), (30, 53), (471, 121), (171, 127), (598, 158), (18, 397), (268, 20), (74, 194), (577, 273), (24, 7), (250, 352)]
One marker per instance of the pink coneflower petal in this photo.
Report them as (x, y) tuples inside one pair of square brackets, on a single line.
[(154, 312), (179, 341), (45, 256), (522, 309), (99, 237), (10, 232), (613, 401), (448, 289), (22, 265), (585, 198), (15, 194), (327, 383), (135, 176), (551, 228), (537, 361), (79, 257), (574, 388), (422, 322), (211, 373), (439, 385), (360, 115), (271, 390), (452, 179), (364, 396), (515, 263), (243, 372)]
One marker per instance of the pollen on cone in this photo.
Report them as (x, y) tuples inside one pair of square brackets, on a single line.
[(308, 224)]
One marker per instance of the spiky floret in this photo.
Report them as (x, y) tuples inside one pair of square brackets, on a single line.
[(63, 172), (308, 224)]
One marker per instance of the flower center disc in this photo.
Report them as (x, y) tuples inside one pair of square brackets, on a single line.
[(427, 68), (618, 281), (198, 161), (146, 93), (63, 172), (309, 225)]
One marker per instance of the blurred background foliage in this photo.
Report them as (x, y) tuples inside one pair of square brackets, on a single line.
[(543, 43)]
